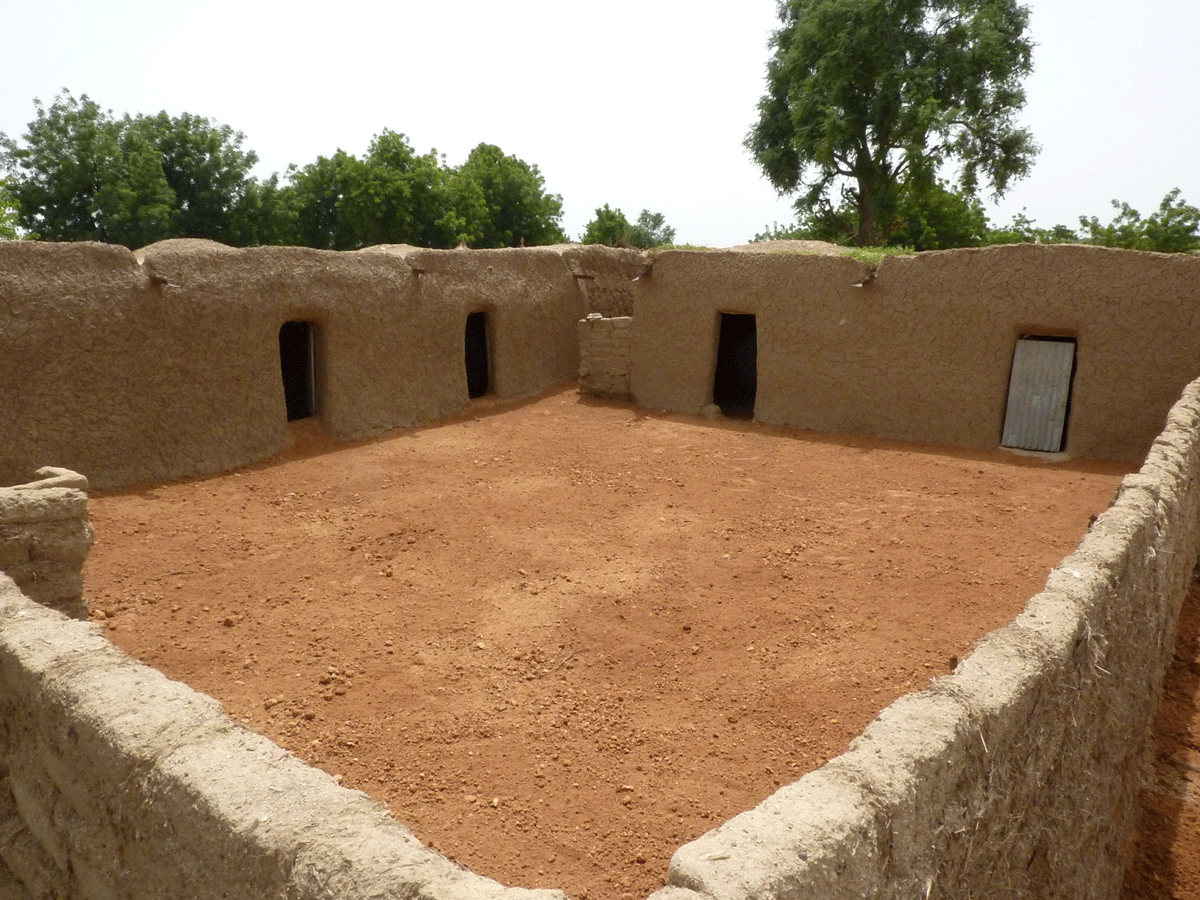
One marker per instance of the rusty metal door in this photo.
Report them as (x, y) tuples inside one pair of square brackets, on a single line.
[(1039, 394)]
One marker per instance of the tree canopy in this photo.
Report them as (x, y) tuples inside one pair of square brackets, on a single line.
[(874, 96), (503, 201), (611, 227), (81, 174)]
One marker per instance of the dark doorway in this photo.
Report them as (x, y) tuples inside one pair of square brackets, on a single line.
[(478, 365), (736, 380), (1039, 394), (296, 363)]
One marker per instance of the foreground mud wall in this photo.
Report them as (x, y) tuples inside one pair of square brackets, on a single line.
[(1016, 775), (134, 368), (924, 349), (45, 537)]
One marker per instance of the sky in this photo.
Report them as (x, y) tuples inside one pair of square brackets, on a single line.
[(638, 104)]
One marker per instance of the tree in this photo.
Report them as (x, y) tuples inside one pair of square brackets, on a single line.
[(391, 196), (1175, 228), (80, 175), (510, 207), (873, 96), (1023, 230), (8, 215), (204, 166), (651, 230), (611, 227)]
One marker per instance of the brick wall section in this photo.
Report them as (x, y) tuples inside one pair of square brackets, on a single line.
[(45, 537), (604, 347), (1017, 775)]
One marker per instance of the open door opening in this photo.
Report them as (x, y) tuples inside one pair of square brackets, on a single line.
[(478, 364), (735, 382), (1039, 394), (297, 365)]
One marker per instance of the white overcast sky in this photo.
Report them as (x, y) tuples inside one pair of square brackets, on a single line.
[(633, 103)]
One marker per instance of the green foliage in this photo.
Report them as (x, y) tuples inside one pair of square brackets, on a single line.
[(611, 227), (8, 214), (1174, 228), (395, 196), (79, 174), (931, 218), (651, 230), (503, 202), (777, 232), (875, 95), (1023, 230)]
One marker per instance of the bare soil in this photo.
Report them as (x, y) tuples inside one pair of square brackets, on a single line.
[(559, 639)]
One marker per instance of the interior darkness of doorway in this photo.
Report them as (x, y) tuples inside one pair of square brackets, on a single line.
[(478, 365), (735, 382), (296, 364)]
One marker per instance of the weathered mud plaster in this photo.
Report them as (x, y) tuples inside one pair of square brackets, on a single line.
[(45, 537), (117, 782), (135, 368), (923, 350), (1018, 774)]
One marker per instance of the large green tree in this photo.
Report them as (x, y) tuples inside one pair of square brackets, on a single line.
[(80, 174), (872, 97), (611, 227), (503, 201)]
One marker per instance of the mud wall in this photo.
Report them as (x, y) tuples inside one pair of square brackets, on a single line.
[(133, 368), (1018, 774), (116, 782), (923, 350), (604, 348), (45, 537)]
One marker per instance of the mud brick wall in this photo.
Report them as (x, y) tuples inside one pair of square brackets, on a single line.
[(923, 350), (45, 538), (1017, 775), (604, 347), (132, 368), (117, 782)]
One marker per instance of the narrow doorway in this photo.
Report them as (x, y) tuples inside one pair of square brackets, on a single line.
[(1039, 394), (735, 382), (478, 364), (297, 365)]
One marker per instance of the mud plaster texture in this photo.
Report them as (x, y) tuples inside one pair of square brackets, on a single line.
[(923, 350), (45, 537), (134, 368), (1019, 770)]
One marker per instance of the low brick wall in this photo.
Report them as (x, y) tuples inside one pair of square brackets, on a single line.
[(604, 348), (45, 537), (1016, 776)]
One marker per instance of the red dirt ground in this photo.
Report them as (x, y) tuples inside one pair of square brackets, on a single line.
[(558, 639)]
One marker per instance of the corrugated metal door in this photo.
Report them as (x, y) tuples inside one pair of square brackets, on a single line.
[(1039, 391)]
